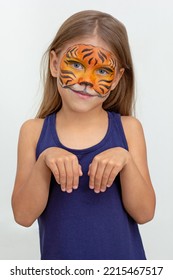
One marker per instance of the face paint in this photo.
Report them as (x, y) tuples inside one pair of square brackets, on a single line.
[(88, 69)]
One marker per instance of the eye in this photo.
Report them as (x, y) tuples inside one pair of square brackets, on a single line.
[(76, 65), (102, 71)]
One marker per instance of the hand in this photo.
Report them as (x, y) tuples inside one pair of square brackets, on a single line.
[(105, 167), (64, 166)]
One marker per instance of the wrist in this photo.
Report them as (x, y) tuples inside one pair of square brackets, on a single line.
[(41, 161), (128, 158)]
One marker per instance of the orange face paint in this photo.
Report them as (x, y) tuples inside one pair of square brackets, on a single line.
[(88, 68)]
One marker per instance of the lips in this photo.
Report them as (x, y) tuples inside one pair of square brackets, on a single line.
[(83, 94)]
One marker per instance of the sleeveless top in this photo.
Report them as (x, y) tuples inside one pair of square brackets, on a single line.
[(84, 225)]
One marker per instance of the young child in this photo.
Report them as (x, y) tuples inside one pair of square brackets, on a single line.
[(82, 165)]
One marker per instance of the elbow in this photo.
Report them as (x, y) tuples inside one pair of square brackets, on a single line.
[(143, 213), (145, 217), (21, 216), (144, 220), (23, 220)]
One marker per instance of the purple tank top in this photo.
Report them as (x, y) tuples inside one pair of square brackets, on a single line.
[(83, 224)]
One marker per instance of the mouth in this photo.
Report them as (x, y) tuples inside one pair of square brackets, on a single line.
[(86, 95), (83, 94)]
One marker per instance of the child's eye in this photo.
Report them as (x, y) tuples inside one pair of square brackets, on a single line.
[(76, 65), (102, 72)]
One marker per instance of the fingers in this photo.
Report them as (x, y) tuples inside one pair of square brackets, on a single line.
[(69, 171), (62, 174), (105, 167), (55, 172), (102, 175), (80, 170), (65, 168)]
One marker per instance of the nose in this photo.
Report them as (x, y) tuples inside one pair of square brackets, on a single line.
[(86, 84)]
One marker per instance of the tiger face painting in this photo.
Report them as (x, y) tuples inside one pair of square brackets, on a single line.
[(87, 69)]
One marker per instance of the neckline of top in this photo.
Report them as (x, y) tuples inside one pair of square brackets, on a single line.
[(79, 151)]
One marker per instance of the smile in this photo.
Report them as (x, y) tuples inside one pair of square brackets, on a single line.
[(86, 95), (83, 94)]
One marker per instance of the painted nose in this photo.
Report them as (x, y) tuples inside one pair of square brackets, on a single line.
[(86, 84)]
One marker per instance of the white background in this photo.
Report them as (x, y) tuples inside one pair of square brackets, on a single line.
[(26, 29)]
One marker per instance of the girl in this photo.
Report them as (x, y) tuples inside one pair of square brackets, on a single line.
[(82, 166)]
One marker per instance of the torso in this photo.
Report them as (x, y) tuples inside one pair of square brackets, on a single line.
[(83, 224)]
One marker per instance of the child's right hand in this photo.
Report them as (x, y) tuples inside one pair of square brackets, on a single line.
[(64, 166)]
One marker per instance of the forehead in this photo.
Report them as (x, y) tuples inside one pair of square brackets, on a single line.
[(86, 51)]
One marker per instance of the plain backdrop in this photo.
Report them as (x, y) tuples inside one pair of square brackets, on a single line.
[(26, 29)]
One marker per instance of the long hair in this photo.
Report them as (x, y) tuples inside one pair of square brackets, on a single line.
[(111, 31)]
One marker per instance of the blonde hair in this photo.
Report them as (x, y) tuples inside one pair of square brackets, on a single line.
[(111, 31)]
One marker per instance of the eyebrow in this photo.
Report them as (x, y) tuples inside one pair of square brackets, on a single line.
[(74, 60), (87, 54), (87, 50)]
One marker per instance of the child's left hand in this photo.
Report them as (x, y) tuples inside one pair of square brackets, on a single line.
[(105, 167)]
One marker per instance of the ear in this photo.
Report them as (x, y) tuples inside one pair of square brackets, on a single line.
[(53, 64), (117, 78)]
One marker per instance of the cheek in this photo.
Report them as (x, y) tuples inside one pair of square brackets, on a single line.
[(103, 84), (67, 75)]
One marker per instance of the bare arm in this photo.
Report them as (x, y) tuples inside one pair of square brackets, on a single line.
[(137, 190), (31, 187)]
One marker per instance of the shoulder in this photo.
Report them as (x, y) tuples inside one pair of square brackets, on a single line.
[(32, 124), (131, 123), (31, 129), (133, 130)]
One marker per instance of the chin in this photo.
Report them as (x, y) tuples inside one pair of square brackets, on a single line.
[(83, 108)]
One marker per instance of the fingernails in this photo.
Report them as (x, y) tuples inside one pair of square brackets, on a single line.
[(69, 191), (91, 187), (97, 191)]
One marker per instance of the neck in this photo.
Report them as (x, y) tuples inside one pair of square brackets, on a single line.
[(81, 119)]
